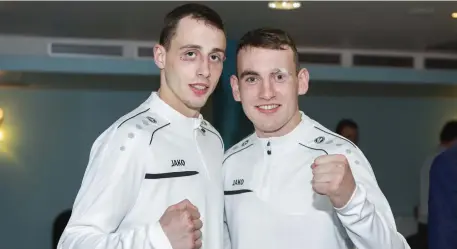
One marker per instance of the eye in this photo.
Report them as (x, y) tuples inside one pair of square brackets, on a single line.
[(215, 57), (251, 79), (190, 54), (280, 77)]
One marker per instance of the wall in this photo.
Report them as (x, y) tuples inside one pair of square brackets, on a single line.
[(50, 132), (399, 126)]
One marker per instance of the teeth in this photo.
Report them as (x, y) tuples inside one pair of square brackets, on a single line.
[(199, 87), (268, 107)]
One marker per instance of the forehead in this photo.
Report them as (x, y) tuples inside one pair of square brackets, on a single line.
[(198, 32), (263, 59)]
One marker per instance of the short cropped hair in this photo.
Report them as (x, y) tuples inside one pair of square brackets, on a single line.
[(345, 123), (195, 11), (449, 131), (268, 38)]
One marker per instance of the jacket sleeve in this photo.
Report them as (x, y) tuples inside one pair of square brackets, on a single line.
[(108, 191), (442, 216), (367, 216), (227, 241)]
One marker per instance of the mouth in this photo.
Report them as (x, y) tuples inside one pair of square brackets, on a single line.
[(271, 108), (199, 89)]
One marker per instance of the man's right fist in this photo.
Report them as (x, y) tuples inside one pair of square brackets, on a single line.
[(181, 223)]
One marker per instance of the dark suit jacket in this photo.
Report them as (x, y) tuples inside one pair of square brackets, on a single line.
[(442, 203)]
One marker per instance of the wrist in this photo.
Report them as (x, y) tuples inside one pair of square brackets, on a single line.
[(341, 200)]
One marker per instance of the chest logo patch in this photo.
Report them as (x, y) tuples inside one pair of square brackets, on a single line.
[(238, 182), (178, 163)]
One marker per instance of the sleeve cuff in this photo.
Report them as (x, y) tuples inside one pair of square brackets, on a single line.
[(158, 238), (357, 199)]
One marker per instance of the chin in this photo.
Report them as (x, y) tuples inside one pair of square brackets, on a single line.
[(196, 104)]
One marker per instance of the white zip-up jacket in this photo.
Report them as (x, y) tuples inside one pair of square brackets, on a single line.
[(148, 160), (270, 203)]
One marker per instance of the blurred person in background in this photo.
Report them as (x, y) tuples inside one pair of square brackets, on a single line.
[(442, 204), (447, 137), (348, 129)]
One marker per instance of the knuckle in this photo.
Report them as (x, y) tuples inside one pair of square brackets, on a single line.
[(190, 225), (340, 157), (192, 244)]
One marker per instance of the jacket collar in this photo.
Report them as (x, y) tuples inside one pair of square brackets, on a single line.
[(181, 123), (295, 136)]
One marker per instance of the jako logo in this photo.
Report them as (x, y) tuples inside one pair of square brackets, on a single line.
[(178, 163), (238, 182)]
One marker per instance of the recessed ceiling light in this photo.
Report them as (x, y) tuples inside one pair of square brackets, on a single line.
[(284, 5), (454, 15)]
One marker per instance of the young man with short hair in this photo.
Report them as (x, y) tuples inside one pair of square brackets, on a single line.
[(154, 177), (293, 183)]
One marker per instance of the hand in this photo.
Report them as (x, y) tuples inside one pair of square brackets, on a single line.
[(333, 178), (181, 223)]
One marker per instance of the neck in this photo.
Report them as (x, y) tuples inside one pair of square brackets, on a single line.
[(448, 144), (174, 102), (284, 130)]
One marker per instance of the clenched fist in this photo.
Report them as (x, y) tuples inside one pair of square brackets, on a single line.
[(332, 177), (181, 223)]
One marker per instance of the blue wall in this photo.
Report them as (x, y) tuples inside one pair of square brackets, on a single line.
[(49, 135), (50, 132)]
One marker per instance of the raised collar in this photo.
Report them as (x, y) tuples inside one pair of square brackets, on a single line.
[(175, 118), (295, 136)]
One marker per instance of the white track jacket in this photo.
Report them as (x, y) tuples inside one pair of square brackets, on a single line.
[(148, 160), (270, 203)]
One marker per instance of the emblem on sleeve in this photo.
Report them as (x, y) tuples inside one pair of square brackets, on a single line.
[(319, 140), (152, 120), (245, 142)]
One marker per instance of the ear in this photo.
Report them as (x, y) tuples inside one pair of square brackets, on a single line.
[(159, 56), (235, 88), (303, 81)]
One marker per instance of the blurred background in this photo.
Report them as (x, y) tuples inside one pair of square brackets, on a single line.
[(70, 69)]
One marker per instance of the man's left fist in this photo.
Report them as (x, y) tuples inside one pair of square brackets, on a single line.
[(332, 177)]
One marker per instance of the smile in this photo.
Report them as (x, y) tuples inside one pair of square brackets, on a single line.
[(268, 108), (199, 89)]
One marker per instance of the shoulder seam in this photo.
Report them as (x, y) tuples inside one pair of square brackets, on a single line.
[(132, 117), (311, 148), (337, 136), (227, 157), (152, 135), (222, 143)]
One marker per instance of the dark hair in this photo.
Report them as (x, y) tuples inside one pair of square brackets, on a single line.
[(345, 123), (269, 38), (449, 131), (195, 11)]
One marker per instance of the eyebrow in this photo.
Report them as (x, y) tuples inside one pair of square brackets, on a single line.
[(247, 73), (193, 46), (280, 70)]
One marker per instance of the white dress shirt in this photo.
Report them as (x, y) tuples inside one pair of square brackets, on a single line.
[(270, 203), (146, 161)]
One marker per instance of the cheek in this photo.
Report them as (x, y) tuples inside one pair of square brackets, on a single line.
[(216, 69), (288, 91), (248, 94)]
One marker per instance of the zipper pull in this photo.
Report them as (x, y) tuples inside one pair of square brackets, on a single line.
[(268, 148)]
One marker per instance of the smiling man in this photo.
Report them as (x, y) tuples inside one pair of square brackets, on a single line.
[(293, 183), (154, 176)]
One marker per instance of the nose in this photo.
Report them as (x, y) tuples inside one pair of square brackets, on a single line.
[(203, 69), (266, 90)]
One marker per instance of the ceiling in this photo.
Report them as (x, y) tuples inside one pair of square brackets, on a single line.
[(373, 25)]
